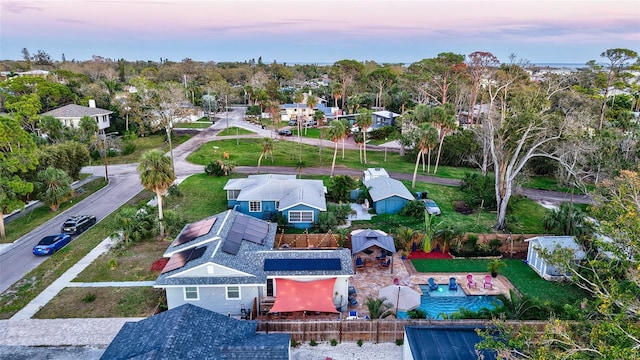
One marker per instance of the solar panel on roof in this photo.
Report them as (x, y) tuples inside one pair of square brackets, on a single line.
[(231, 247), (181, 258), (195, 230), (302, 264)]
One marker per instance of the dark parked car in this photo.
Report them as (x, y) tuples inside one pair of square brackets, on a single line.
[(285, 132), (50, 244), (78, 224)]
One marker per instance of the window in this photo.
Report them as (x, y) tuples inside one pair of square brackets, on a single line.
[(233, 292), (232, 194), (301, 216), (191, 293), (255, 206)]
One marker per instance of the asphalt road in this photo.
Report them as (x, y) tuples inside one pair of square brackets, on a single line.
[(124, 183)]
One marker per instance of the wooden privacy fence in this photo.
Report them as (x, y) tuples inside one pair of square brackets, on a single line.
[(306, 241), (375, 331)]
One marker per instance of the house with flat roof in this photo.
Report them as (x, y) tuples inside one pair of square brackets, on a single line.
[(267, 196)]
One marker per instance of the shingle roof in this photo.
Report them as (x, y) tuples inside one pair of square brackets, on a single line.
[(249, 259), (285, 189), (76, 111), (191, 332), (384, 187)]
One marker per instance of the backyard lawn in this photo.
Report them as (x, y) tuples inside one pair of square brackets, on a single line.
[(526, 281)]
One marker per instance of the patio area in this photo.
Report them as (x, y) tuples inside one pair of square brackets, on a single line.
[(370, 279)]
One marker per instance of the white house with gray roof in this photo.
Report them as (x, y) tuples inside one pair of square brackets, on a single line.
[(71, 114), (540, 244), (388, 195), (227, 262), (267, 196)]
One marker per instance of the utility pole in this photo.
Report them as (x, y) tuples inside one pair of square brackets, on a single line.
[(226, 110), (169, 129)]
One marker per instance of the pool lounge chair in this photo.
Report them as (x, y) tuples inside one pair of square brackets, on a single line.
[(383, 255), (488, 282), (432, 284), (452, 284), (470, 282)]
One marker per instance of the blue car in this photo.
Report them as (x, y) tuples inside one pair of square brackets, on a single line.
[(50, 244)]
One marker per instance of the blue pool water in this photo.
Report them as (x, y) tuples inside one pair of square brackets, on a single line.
[(445, 301)]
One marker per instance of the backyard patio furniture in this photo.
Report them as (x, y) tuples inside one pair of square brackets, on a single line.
[(488, 282), (359, 263), (470, 282), (452, 284), (432, 284), (385, 264)]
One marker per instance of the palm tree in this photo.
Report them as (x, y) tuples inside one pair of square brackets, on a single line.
[(345, 133), (297, 98), (378, 308), (267, 147), (157, 175), (426, 135), (404, 235), (54, 187), (336, 132), (445, 120), (566, 220), (364, 120), (132, 225)]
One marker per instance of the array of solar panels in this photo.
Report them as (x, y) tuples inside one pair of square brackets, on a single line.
[(245, 228), (195, 230), (181, 258), (302, 264)]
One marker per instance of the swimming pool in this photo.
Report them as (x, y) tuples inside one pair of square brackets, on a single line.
[(445, 301)]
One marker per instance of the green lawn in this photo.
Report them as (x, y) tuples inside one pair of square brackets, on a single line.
[(233, 131), (193, 125), (287, 153), (519, 274), (144, 144)]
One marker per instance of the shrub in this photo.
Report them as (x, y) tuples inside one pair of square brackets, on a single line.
[(417, 314), (112, 264), (478, 190), (128, 147), (414, 209), (294, 343), (313, 343), (334, 342), (359, 342), (91, 297), (219, 168), (399, 342)]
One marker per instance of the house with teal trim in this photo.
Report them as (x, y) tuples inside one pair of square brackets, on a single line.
[(267, 196)]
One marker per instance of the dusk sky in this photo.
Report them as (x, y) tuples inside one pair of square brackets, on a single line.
[(313, 31)]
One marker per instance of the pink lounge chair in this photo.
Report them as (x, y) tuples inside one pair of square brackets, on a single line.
[(488, 282), (470, 282)]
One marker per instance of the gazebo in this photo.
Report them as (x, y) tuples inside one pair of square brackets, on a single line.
[(362, 239)]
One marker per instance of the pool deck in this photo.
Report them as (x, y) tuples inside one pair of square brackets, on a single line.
[(370, 279)]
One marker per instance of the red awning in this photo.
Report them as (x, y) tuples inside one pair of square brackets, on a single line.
[(300, 296)]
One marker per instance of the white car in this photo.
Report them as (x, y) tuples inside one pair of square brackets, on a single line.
[(432, 207)]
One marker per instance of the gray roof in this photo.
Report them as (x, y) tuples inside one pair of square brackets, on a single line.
[(366, 238), (386, 114), (384, 187), (76, 111), (249, 259), (285, 189), (549, 243), (451, 342), (191, 332)]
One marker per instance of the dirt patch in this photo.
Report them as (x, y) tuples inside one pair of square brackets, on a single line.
[(462, 208), (103, 302)]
